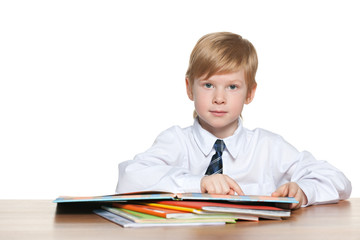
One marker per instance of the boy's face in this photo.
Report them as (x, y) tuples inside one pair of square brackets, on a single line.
[(219, 101)]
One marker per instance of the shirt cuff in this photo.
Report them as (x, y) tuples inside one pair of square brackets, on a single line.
[(191, 183)]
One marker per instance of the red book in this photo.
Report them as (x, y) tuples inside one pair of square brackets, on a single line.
[(200, 204), (259, 210)]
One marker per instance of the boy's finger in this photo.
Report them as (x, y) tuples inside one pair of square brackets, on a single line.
[(223, 187), (238, 190), (293, 190), (282, 191), (233, 185), (301, 197), (275, 194)]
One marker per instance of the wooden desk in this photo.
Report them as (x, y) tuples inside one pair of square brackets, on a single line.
[(40, 219)]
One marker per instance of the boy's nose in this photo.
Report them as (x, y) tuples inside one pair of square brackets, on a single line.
[(219, 98)]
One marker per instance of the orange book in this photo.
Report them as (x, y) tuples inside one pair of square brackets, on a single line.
[(176, 207), (153, 210)]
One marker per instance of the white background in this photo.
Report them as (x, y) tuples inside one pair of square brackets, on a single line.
[(85, 85)]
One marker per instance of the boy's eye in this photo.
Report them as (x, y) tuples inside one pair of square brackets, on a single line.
[(208, 85), (232, 87)]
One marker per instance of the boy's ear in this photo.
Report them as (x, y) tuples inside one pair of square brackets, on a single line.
[(251, 94), (189, 90)]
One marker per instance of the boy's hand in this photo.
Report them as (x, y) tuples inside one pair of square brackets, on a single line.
[(220, 184), (291, 189)]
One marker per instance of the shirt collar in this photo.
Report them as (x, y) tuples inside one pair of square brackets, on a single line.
[(205, 140)]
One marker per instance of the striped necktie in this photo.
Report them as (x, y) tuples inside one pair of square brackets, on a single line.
[(216, 166)]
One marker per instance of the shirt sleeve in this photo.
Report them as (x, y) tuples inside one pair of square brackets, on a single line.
[(163, 167), (320, 181)]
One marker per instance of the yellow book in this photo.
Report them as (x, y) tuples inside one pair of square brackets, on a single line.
[(185, 209)]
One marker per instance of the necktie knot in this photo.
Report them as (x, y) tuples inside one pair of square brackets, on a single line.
[(219, 146)]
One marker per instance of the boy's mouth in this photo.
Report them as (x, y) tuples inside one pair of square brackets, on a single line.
[(217, 113)]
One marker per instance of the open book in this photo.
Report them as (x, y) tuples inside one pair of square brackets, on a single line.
[(145, 209), (140, 196)]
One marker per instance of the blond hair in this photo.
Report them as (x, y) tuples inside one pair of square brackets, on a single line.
[(222, 52)]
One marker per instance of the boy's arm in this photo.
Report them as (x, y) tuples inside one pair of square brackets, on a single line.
[(161, 168), (318, 180), (139, 175)]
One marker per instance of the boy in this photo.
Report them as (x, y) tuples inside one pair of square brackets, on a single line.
[(220, 79)]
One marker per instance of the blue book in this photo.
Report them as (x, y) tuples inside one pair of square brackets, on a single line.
[(139, 196)]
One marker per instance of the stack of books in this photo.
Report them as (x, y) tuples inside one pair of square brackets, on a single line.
[(149, 209)]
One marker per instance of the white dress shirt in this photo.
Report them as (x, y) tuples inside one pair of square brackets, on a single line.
[(258, 160)]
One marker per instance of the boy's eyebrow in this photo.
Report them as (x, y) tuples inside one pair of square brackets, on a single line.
[(232, 81), (235, 80), (204, 79)]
